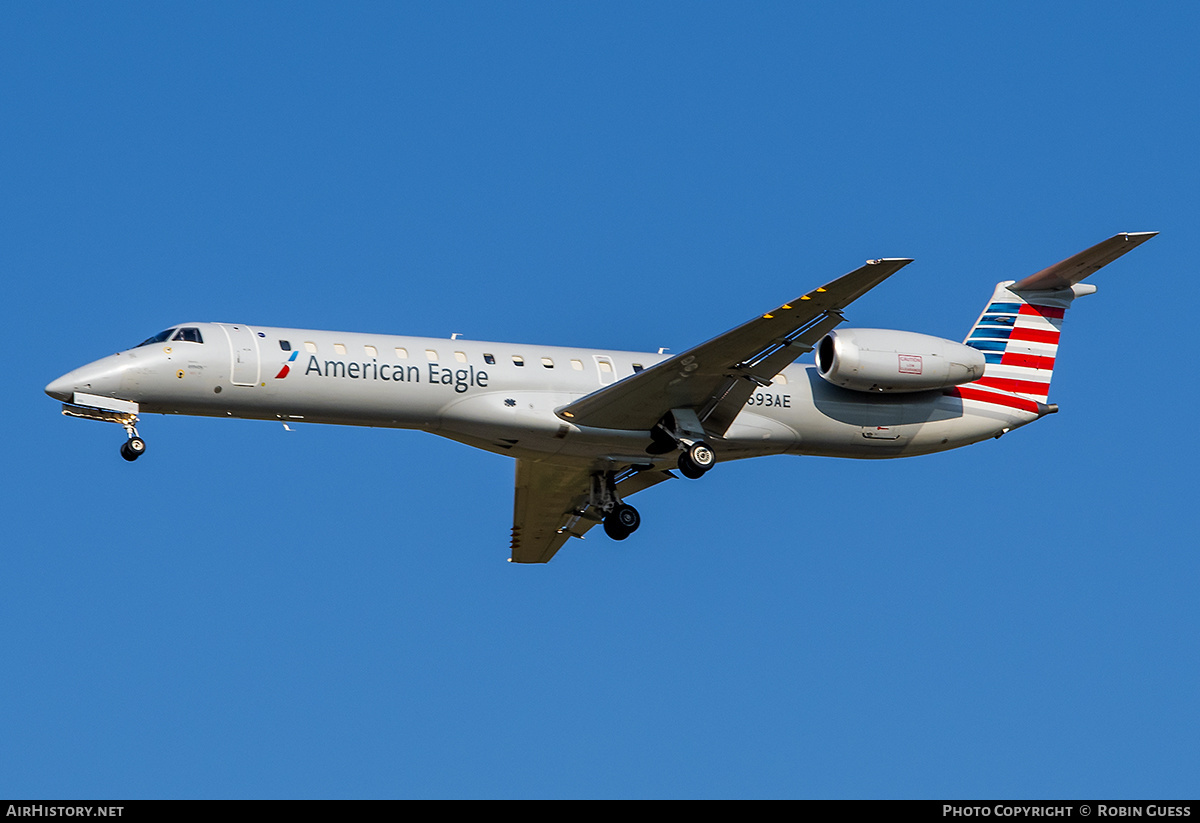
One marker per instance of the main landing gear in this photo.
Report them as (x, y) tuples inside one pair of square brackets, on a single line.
[(620, 519), (681, 429), (696, 459)]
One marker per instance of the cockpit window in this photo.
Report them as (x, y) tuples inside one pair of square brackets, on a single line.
[(161, 337), (189, 334)]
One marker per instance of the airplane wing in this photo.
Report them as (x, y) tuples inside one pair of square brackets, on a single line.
[(551, 505), (1067, 273), (716, 378)]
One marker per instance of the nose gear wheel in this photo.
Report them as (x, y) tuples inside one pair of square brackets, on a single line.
[(133, 448)]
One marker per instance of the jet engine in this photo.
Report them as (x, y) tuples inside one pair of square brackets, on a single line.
[(882, 360)]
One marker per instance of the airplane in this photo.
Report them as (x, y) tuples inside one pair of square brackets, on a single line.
[(590, 428)]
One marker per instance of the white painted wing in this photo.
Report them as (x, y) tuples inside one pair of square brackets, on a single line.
[(716, 378)]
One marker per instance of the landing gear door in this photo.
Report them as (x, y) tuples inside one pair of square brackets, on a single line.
[(243, 351)]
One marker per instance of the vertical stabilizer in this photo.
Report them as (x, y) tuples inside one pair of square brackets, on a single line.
[(1018, 334), (1019, 330)]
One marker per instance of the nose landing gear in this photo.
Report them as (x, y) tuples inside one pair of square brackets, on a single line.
[(133, 448), (111, 410)]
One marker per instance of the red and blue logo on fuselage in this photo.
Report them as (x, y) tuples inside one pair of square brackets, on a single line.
[(284, 371)]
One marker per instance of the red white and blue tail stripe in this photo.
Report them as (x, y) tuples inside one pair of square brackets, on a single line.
[(1018, 331), (1018, 334)]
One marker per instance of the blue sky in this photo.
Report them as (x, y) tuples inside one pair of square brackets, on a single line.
[(328, 613)]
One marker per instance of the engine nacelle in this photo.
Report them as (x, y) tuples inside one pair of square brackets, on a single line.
[(882, 360)]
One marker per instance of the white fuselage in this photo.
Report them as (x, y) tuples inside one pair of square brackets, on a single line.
[(502, 397)]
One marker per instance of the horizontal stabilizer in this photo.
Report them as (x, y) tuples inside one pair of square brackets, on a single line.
[(1076, 267)]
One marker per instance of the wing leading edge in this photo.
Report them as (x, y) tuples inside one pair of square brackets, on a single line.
[(717, 377)]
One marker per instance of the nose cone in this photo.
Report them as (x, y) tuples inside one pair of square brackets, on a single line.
[(102, 377), (62, 388)]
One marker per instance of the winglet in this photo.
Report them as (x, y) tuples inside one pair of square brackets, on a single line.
[(1067, 273)]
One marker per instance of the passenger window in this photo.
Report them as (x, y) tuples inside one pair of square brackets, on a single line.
[(637, 367), (489, 359), (431, 354), (310, 347), (577, 365), (339, 348), (518, 360), (547, 362), (371, 351), (606, 367), (401, 353), (460, 356), (780, 379), (285, 345)]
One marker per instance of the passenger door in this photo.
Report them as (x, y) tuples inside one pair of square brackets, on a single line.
[(244, 367)]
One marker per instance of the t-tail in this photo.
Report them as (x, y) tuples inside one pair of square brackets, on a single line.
[(1019, 330)]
